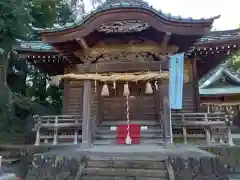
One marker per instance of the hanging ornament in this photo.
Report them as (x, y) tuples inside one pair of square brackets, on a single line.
[(95, 86), (156, 85), (114, 84), (126, 91), (105, 90), (149, 89)]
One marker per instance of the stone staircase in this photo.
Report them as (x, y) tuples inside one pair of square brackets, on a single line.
[(125, 170), (151, 132), (10, 161)]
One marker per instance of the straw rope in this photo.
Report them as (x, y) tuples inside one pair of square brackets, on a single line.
[(139, 76)]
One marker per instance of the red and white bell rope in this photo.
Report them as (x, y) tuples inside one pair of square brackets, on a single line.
[(128, 139)]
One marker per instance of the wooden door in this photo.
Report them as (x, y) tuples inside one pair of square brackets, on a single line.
[(113, 108), (142, 108)]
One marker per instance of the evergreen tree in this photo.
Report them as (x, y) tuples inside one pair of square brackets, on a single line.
[(16, 20)]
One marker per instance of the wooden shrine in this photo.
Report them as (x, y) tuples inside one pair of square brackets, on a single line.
[(113, 66)]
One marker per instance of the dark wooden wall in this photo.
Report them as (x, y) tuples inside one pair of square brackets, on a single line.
[(113, 107), (73, 101), (141, 106)]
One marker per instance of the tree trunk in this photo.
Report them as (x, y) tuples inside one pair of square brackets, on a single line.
[(4, 90)]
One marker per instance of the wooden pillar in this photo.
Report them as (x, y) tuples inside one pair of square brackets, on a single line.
[(195, 84), (86, 124), (158, 100), (66, 94), (37, 126), (167, 121)]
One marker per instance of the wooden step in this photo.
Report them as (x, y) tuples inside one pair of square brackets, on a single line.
[(142, 141), (234, 176), (113, 136), (107, 130), (122, 122), (157, 128)]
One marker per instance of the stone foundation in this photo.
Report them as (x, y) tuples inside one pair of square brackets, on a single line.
[(203, 168), (70, 166), (52, 167)]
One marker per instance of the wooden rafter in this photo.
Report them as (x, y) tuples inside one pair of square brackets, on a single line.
[(165, 41), (83, 43)]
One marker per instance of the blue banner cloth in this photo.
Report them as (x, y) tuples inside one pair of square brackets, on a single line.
[(176, 70)]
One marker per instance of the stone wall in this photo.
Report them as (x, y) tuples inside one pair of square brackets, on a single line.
[(204, 168), (48, 166), (52, 167), (228, 155)]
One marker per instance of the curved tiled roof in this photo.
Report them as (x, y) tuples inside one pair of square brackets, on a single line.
[(118, 4), (208, 38), (33, 46), (219, 35), (217, 73), (205, 84)]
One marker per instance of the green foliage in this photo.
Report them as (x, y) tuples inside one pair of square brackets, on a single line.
[(16, 18), (47, 12), (14, 21), (234, 61)]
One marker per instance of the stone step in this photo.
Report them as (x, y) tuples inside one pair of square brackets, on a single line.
[(125, 172), (234, 176), (138, 164), (121, 178), (113, 141), (10, 160), (113, 136), (122, 122)]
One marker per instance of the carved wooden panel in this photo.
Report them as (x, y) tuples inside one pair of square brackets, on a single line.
[(124, 26)]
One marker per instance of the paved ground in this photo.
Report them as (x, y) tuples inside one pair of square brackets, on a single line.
[(148, 151)]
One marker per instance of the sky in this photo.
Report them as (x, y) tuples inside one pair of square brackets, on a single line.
[(228, 9)]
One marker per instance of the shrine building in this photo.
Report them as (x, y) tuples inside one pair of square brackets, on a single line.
[(113, 68)]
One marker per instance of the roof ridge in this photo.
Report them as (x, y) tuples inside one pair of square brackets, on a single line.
[(116, 4), (206, 80)]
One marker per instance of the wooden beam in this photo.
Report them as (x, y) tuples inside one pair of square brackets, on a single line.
[(165, 42), (126, 66), (83, 43), (98, 50), (195, 84)]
